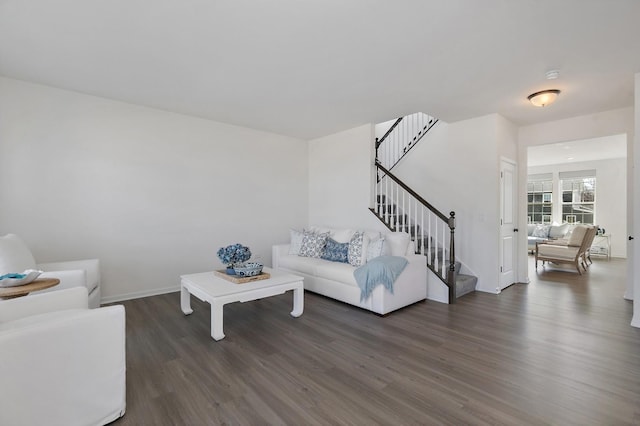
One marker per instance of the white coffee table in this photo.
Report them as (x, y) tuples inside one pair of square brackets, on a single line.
[(218, 292)]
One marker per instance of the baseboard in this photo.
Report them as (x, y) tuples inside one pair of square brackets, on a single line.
[(139, 294)]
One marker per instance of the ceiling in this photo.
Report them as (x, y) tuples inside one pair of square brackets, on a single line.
[(595, 149), (311, 68)]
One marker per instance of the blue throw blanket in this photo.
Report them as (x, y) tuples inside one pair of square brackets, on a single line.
[(379, 270)]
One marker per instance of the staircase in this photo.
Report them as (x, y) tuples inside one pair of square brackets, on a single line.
[(402, 210)]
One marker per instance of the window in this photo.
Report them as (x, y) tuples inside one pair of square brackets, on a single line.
[(578, 196), (540, 198)]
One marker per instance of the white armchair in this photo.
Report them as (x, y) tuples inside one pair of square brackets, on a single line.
[(16, 257), (60, 362)]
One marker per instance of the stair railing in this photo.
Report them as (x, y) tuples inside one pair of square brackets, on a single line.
[(402, 209), (401, 137)]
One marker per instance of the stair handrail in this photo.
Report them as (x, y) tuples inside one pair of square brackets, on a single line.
[(393, 126), (413, 193), (408, 145), (450, 220)]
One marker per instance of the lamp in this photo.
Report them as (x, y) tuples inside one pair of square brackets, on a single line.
[(543, 98)]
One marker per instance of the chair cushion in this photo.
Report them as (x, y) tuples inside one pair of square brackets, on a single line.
[(15, 256), (557, 252), (576, 237), (39, 318)]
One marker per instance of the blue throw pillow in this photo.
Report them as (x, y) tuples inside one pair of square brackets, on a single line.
[(335, 251)]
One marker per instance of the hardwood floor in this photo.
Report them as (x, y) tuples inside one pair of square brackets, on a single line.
[(556, 351)]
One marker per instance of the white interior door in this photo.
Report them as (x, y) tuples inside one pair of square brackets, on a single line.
[(508, 225)]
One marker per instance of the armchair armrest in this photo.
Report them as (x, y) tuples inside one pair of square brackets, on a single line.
[(278, 251), (20, 307), (68, 279), (91, 266)]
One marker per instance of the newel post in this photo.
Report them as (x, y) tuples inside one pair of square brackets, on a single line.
[(451, 279)]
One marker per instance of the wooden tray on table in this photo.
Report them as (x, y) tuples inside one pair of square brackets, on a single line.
[(241, 280)]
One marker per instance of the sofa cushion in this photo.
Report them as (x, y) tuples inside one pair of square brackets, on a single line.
[(340, 272), (335, 251), (296, 241), (313, 244), (15, 256), (398, 243), (305, 265), (530, 228)]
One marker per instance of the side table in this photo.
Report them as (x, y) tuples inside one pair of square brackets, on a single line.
[(23, 290)]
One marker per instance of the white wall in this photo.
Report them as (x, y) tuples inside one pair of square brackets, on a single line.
[(151, 194), (456, 167), (611, 196), (340, 180), (607, 123)]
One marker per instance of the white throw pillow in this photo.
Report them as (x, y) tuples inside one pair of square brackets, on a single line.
[(398, 243), (15, 256), (559, 231), (296, 241), (377, 248), (342, 235), (541, 231)]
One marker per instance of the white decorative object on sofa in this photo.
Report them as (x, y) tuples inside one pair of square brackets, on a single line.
[(61, 363), (15, 257), (336, 280)]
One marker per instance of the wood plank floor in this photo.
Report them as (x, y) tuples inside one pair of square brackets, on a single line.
[(556, 351)]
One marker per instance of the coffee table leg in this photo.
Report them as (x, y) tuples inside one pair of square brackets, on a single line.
[(298, 301), (185, 300), (216, 321)]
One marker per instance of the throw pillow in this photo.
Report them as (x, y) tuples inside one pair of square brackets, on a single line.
[(335, 251), (541, 231), (376, 248), (398, 243), (342, 235), (296, 241), (313, 244), (356, 255), (559, 231), (15, 256)]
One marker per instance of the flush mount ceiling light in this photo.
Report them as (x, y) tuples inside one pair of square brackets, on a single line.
[(543, 98)]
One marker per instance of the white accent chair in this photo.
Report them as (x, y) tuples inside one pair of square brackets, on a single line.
[(15, 257), (574, 250), (60, 362)]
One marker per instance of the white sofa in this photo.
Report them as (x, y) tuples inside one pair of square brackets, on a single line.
[(61, 363), (336, 280), (15, 257)]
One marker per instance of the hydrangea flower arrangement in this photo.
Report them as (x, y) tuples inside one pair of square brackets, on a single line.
[(234, 254)]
